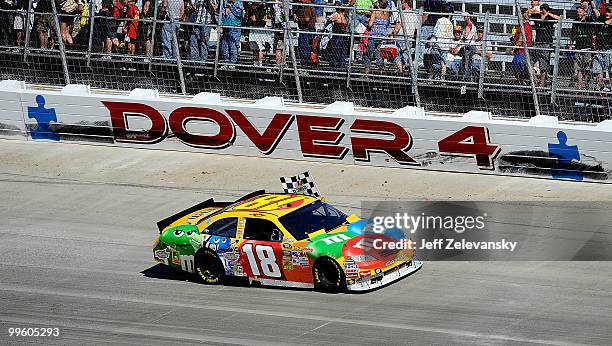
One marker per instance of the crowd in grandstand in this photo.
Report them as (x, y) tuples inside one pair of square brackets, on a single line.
[(383, 33)]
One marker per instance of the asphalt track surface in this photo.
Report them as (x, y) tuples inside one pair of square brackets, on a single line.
[(77, 223)]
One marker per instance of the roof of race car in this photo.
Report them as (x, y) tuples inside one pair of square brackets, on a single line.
[(278, 204)]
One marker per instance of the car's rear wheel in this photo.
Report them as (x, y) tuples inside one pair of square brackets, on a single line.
[(328, 276), (209, 268)]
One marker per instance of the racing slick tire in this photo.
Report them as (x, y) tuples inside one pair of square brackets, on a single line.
[(208, 267), (328, 276)]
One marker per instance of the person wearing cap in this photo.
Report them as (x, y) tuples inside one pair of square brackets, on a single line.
[(453, 57), (544, 26), (603, 58), (130, 28), (469, 28)]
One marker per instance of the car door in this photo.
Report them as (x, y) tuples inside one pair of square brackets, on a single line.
[(261, 251)]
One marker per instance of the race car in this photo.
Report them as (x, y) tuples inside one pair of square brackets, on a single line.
[(281, 239)]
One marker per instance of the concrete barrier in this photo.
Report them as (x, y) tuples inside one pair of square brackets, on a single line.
[(340, 132)]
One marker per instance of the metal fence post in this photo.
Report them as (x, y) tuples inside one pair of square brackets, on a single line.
[(60, 43), (555, 81), (219, 34), (26, 44), (483, 57), (417, 45), (153, 34), (352, 16), (536, 103), (91, 31), (179, 62), (292, 51), (413, 72)]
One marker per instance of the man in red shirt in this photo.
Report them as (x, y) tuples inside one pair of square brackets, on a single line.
[(519, 63), (130, 29)]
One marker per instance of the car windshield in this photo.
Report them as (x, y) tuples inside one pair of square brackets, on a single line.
[(311, 218)]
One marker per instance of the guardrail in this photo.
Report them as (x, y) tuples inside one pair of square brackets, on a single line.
[(475, 142), (310, 64)]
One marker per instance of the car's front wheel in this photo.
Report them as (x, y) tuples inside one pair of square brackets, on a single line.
[(209, 268), (328, 276)]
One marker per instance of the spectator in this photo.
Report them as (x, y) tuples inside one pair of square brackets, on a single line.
[(469, 28), (203, 14), (479, 58), (117, 10), (591, 9), (534, 8), (67, 10), (582, 42), (145, 28), (409, 21), (452, 60), (130, 28), (544, 23), (338, 42), (306, 23), (602, 62), (256, 18), (378, 25), (279, 25), (173, 11), (230, 36), (45, 25), (20, 21), (362, 11), (519, 64), (429, 21), (6, 21), (442, 40), (319, 9)]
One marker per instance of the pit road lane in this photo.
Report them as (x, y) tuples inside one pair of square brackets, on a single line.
[(78, 222)]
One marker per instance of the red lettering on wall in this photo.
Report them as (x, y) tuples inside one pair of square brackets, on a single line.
[(471, 141), (267, 141), (119, 112), (396, 147), (180, 117), (319, 136)]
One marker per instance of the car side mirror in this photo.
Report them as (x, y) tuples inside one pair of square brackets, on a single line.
[(276, 235)]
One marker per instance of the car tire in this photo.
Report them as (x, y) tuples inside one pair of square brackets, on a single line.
[(208, 267), (328, 276)]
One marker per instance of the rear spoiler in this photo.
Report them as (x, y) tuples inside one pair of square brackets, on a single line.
[(161, 225)]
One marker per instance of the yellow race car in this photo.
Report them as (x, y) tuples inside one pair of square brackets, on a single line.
[(281, 239)]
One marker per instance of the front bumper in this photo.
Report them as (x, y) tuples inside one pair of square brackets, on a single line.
[(376, 281)]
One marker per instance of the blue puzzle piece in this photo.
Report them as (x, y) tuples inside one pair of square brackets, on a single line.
[(44, 117), (564, 154)]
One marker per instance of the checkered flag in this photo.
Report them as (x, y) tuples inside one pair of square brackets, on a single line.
[(302, 184)]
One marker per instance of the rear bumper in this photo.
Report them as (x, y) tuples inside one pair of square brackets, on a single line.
[(376, 281)]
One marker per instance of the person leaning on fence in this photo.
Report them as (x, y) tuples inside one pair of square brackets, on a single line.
[(519, 63), (203, 14), (544, 26), (378, 26), (231, 20), (408, 20), (339, 41), (582, 38), (602, 62)]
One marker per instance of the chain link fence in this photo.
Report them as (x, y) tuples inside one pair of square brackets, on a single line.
[(447, 58)]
